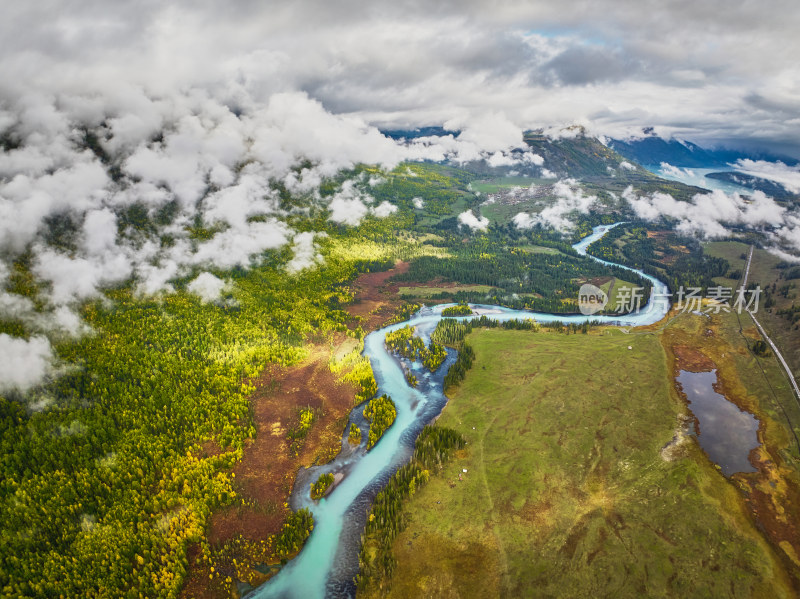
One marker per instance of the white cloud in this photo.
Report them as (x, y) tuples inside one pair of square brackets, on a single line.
[(25, 201), (627, 165), (238, 246), (65, 319), (155, 278), (488, 132), (76, 279), (475, 223), (523, 220), (556, 132), (16, 306), (783, 255), (207, 286), (570, 199), (788, 234), (384, 209), (471, 145), (676, 171), (347, 211), (350, 205), (419, 203), (305, 252), (707, 214), (677, 65), (293, 127), (787, 176), (249, 196), (24, 363), (196, 152), (100, 232), (204, 151), (533, 158), (499, 159), (219, 104), (61, 320)]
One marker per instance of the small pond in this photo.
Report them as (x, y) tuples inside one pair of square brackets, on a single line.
[(726, 433)]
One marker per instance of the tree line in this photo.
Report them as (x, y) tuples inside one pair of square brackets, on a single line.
[(405, 343), (381, 413), (520, 279), (433, 448), (677, 260)]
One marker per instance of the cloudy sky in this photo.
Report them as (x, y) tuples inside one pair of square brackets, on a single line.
[(711, 70), (200, 105)]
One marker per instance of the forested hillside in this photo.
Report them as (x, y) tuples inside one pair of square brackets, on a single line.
[(113, 462), (112, 465)]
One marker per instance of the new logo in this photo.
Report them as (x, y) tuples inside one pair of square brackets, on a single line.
[(591, 299)]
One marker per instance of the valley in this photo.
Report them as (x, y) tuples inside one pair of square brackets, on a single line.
[(314, 300), (200, 418)]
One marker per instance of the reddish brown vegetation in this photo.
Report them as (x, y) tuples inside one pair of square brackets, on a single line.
[(772, 494), (690, 359), (266, 473), (375, 297), (774, 500)]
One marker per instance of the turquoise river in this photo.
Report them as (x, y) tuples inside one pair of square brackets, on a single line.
[(328, 562)]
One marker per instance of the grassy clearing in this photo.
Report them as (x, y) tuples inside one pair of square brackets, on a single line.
[(763, 271), (424, 291), (428, 219), (566, 493), (616, 295), (495, 185), (503, 213), (538, 249), (730, 250)]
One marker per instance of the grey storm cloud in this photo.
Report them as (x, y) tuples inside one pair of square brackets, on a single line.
[(582, 65), (673, 63)]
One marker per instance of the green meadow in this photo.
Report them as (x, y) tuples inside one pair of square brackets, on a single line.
[(500, 183), (563, 489), (431, 291)]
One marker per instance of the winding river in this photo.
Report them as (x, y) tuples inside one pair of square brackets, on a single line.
[(328, 562)]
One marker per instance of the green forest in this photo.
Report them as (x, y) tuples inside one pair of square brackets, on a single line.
[(521, 279), (321, 486), (104, 488), (112, 467), (386, 520), (381, 413), (459, 310), (404, 342), (676, 259)]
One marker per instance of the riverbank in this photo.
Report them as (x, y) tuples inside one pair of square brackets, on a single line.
[(566, 490), (266, 473), (265, 477), (328, 564)]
